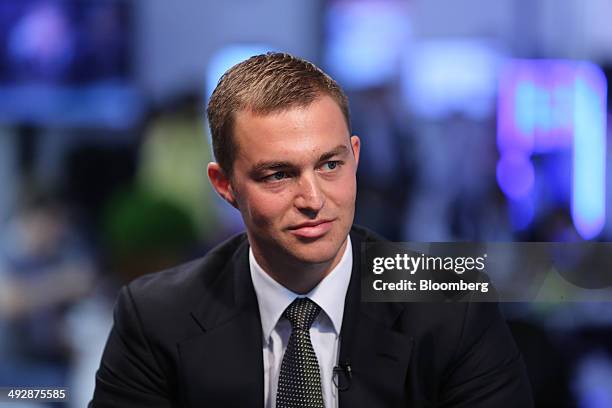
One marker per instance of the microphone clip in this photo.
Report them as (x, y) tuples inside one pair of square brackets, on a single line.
[(343, 373)]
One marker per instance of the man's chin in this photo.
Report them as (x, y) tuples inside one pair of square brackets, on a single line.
[(316, 252)]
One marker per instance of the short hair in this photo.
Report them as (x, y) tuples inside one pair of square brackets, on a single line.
[(264, 84)]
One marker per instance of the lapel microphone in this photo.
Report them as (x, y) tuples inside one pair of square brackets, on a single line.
[(342, 376)]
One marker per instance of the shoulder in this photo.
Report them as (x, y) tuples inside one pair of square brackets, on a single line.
[(202, 269), (196, 274), (169, 295)]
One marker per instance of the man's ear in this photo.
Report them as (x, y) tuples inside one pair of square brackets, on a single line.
[(221, 183), (356, 145)]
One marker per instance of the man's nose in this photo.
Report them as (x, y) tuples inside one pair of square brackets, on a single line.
[(310, 198)]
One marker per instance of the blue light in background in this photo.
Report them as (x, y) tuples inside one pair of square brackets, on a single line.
[(365, 41), (525, 100), (589, 153), (449, 76), (542, 110), (515, 175), (548, 107), (521, 212)]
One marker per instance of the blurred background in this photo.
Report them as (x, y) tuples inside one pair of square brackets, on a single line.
[(480, 121)]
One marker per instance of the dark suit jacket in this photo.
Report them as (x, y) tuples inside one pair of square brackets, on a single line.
[(191, 337)]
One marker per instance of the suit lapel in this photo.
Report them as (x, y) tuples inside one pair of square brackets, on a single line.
[(223, 365), (377, 354)]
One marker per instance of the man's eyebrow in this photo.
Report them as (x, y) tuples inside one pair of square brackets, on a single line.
[(334, 152), (270, 165)]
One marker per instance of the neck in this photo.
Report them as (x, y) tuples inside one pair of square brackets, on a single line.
[(298, 277)]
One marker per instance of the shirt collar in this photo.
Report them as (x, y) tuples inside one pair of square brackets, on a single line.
[(273, 298)]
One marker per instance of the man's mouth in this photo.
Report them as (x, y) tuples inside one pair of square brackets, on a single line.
[(312, 229)]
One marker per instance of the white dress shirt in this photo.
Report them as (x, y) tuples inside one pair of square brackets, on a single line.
[(273, 299)]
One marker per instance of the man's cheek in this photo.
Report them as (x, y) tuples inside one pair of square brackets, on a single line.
[(263, 216), (258, 219), (345, 196)]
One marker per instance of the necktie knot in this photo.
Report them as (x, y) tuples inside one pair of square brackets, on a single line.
[(301, 313)]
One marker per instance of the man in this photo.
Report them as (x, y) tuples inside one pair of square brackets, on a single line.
[(273, 318)]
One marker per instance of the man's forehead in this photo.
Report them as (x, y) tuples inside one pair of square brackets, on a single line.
[(299, 132), (248, 113)]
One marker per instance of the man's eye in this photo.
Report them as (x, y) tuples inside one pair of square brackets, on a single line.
[(279, 175), (331, 165)]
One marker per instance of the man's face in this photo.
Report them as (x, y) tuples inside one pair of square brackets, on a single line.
[(294, 181)]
